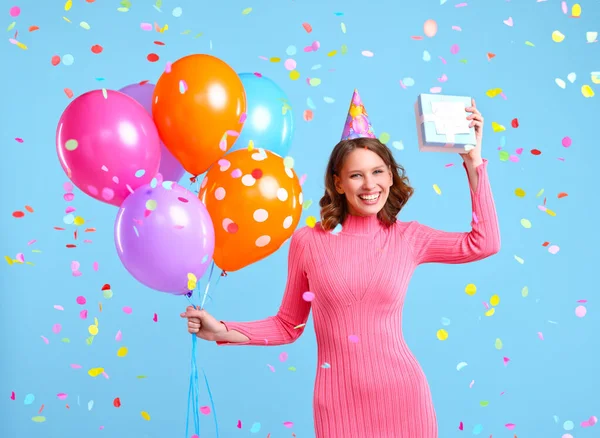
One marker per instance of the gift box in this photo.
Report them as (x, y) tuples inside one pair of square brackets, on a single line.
[(442, 124)]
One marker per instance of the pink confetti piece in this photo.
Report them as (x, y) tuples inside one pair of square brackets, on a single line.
[(76, 366), (454, 49), (505, 360), (13, 396), (168, 66), (475, 218), (288, 424), (580, 311), (95, 266), (68, 187), (146, 26), (435, 90), (308, 296), (353, 338), (582, 301), (461, 426), (81, 300), (127, 310), (540, 335), (590, 422), (458, 28), (239, 424), (367, 53), (18, 140), (243, 117), (62, 396), (155, 318), (402, 84), (510, 426), (460, 5), (302, 179), (519, 151), (83, 314), (443, 78), (471, 384), (449, 165), (271, 367), (20, 257), (56, 328), (119, 336), (205, 410), (45, 339), (563, 6), (283, 357), (105, 375), (69, 197), (59, 307), (443, 60)]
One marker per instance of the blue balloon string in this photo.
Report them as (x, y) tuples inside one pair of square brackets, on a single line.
[(193, 396)]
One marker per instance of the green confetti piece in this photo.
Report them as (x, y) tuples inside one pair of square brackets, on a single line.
[(503, 155), (84, 25), (71, 145), (11, 26), (525, 292), (315, 82), (306, 204), (288, 162), (344, 49), (384, 137), (151, 204), (529, 43), (484, 403), (246, 11), (65, 340), (292, 368)]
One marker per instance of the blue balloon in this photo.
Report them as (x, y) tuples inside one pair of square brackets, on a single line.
[(269, 120)]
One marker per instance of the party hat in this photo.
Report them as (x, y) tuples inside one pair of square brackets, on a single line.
[(357, 123)]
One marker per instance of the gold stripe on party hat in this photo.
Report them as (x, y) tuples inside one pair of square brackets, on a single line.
[(357, 123)]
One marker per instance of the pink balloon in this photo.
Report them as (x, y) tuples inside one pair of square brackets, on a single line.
[(107, 145), (170, 168)]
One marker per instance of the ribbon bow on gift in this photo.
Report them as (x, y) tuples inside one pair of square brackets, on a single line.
[(449, 119)]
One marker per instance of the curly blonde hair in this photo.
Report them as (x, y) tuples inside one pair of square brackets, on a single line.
[(334, 207)]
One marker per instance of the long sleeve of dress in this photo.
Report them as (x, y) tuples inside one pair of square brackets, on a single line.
[(434, 246), (294, 310)]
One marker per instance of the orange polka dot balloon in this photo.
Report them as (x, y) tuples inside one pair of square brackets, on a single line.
[(255, 201)]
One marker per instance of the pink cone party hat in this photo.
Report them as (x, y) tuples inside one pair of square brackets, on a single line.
[(357, 123)]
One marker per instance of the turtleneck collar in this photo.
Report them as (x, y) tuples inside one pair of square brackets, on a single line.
[(361, 225)]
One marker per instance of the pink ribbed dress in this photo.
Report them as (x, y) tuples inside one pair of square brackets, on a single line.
[(368, 383)]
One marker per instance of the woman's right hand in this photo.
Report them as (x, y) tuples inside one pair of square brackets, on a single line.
[(203, 325)]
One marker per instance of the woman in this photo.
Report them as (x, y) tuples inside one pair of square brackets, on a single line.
[(368, 383)]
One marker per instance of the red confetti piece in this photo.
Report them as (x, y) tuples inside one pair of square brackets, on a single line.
[(29, 209), (68, 92), (70, 245), (144, 82), (97, 48), (536, 152), (257, 174), (307, 27), (545, 243), (41, 409), (90, 230), (159, 43), (490, 56), (514, 123), (33, 28), (55, 60), (416, 38), (117, 402), (152, 57), (562, 195), (106, 287), (308, 115), (18, 214)]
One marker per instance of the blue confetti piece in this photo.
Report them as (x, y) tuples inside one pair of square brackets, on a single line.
[(255, 428), (337, 229), (503, 141), (338, 14), (445, 321), (291, 51), (328, 99), (316, 67), (69, 219), (100, 79), (168, 185), (325, 365), (140, 173), (29, 398), (153, 183), (136, 231), (477, 429), (310, 103), (204, 259)]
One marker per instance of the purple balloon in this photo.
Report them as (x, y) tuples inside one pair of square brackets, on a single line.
[(170, 168), (162, 234)]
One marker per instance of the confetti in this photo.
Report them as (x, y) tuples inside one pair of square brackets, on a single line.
[(442, 334), (437, 189), (145, 415)]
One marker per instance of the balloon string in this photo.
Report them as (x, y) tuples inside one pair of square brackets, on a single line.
[(212, 403), (193, 395)]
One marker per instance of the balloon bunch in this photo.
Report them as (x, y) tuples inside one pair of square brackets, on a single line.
[(131, 147)]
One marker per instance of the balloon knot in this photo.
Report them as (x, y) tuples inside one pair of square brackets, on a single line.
[(189, 294), (224, 273), (194, 179)]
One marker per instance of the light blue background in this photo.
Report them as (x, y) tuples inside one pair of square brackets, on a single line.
[(555, 377)]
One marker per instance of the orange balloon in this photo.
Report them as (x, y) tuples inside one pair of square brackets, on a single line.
[(255, 202), (197, 107)]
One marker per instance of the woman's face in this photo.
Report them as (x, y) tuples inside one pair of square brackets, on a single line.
[(365, 180)]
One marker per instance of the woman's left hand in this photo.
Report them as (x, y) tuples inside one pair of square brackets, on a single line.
[(476, 122)]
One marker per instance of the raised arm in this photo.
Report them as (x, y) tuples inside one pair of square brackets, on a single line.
[(282, 328), (434, 246)]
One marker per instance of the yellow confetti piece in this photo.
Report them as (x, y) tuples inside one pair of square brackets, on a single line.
[(38, 419), (519, 259), (93, 330), (557, 36), (96, 321), (576, 10), (20, 45), (246, 11), (68, 5), (311, 221), (145, 416), (8, 260), (384, 137), (104, 93), (587, 91), (490, 312), (529, 43), (343, 26), (442, 334), (315, 82), (66, 19), (192, 281), (332, 53), (294, 75), (525, 292), (497, 127), (437, 189), (498, 344), (275, 59), (595, 77), (95, 372), (344, 49), (122, 352), (470, 289), (526, 223), (520, 193), (493, 92), (550, 212), (79, 221), (495, 300)]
